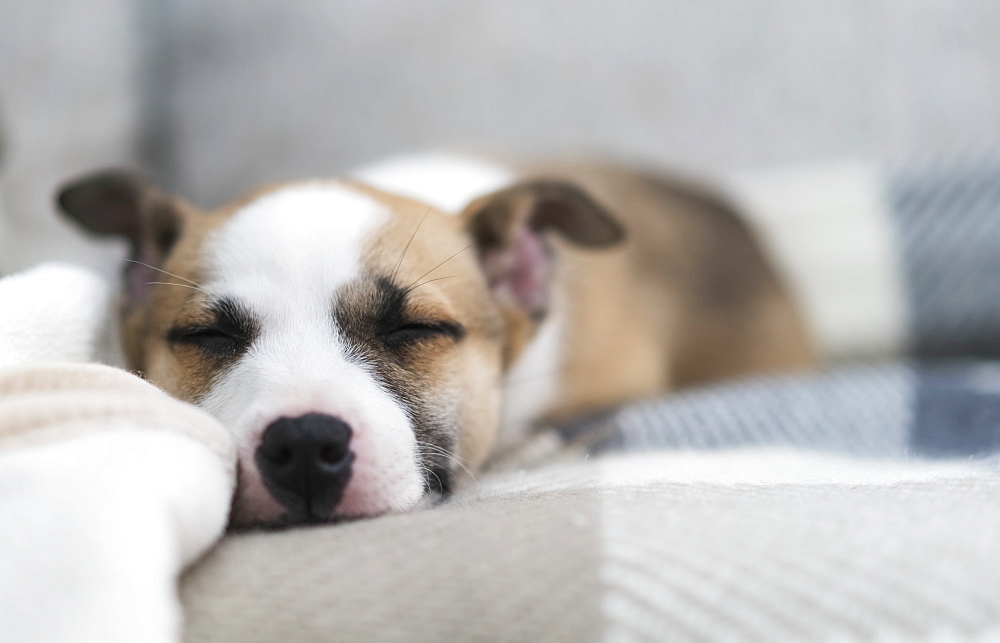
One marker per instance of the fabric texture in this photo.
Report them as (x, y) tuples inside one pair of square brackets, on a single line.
[(948, 230), (108, 486), (900, 410), (757, 545)]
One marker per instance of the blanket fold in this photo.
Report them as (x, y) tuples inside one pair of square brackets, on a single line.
[(108, 486), (42, 403)]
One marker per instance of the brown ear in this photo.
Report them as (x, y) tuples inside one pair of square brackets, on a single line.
[(121, 204), (508, 226)]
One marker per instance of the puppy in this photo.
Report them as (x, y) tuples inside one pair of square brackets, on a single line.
[(368, 339)]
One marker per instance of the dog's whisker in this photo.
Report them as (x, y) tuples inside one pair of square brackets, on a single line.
[(431, 445), (465, 468), (171, 283), (193, 283), (411, 286), (196, 300), (435, 449), (429, 449), (424, 283), (433, 473), (432, 450), (399, 263)]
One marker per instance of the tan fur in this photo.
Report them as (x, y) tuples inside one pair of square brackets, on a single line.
[(439, 258), (688, 298), (464, 379), (183, 372), (145, 328)]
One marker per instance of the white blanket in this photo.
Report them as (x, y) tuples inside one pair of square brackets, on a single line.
[(108, 487)]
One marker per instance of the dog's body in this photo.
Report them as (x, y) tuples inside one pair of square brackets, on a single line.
[(366, 339)]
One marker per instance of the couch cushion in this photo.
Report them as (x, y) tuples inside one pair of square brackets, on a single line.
[(752, 544)]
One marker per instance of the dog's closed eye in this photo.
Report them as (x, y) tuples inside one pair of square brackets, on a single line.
[(413, 332), (211, 340), (226, 330)]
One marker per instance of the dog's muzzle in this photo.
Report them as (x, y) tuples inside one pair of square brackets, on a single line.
[(306, 464)]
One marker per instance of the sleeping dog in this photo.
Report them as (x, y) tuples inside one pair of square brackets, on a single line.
[(369, 339)]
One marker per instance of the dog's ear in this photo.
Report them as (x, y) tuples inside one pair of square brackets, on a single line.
[(122, 204), (508, 228)]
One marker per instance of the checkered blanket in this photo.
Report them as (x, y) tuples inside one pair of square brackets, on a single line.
[(904, 410)]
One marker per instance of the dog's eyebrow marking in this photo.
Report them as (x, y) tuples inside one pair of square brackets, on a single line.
[(391, 310), (375, 308), (223, 315), (236, 317)]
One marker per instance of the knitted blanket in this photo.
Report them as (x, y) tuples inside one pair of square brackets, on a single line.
[(108, 487)]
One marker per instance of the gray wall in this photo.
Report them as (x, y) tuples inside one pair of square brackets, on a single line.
[(212, 97), (298, 87), (68, 102)]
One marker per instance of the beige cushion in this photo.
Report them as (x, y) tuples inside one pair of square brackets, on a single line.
[(752, 545)]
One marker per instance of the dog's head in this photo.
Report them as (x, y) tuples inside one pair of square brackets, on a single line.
[(353, 341)]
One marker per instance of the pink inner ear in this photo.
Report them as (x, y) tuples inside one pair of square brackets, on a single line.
[(520, 272)]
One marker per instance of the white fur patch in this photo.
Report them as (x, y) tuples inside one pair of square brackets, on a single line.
[(531, 384), (447, 182), (283, 257)]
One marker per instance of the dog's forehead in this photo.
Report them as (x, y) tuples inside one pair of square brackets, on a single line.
[(311, 235)]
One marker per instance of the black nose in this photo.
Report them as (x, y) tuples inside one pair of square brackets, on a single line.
[(306, 463)]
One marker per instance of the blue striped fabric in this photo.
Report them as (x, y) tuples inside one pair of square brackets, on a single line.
[(946, 219), (862, 410), (893, 410)]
